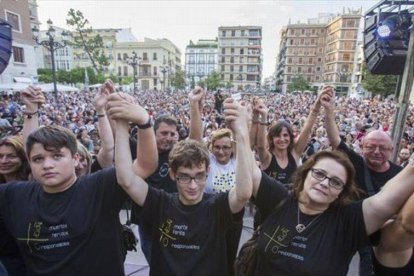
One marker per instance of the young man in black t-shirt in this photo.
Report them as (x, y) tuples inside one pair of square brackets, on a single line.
[(188, 228), (66, 225), (166, 136)]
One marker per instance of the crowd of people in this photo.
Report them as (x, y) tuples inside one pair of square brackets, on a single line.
[(317, 168)]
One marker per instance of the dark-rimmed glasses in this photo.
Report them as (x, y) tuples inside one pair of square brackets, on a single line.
[(321, 176), (186, 179)]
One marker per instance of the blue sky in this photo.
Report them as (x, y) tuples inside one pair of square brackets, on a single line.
[(181, 21)]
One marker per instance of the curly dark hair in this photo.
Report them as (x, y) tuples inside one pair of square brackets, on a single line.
[(188, 153)]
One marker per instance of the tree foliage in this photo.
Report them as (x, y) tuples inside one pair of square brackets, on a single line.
[(83, 39), (213, 81), (298, 84), (76, 75), (379, 84), (178, 79)]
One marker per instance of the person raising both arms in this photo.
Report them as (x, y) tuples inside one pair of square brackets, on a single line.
[(278, 153), (188, 228)]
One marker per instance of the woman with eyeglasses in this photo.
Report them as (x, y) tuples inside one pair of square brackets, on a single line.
[(319, 227)]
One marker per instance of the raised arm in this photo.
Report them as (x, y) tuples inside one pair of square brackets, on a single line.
[(196, 104), (106, 153), (33, 98), (383, 205), (122, 106), (332, 131), (133, 185), (237, 118), (305, 133), (262, 145), (254, 123), (397, 238)]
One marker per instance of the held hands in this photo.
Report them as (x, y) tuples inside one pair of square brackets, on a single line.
[(259, 108), (326, 98), (237, 116), (123, 107), (101, 97), (33, 98)]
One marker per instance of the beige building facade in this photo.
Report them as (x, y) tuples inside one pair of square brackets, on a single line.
[(158, 60), (322, 53), (22, 64), (240, 56)]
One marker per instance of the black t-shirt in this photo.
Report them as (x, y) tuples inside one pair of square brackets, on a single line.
[(188, 240), (160, 179), (325, 247), (282, 175), (380, 270), (378, 179), (75, 232)]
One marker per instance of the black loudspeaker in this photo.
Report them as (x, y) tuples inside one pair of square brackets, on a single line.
[(5, 44), (386, 38)]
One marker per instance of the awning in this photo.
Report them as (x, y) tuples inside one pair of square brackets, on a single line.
[(22, 80)]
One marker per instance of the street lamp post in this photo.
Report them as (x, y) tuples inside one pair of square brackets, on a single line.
[(164, 70), (134, 62), (343, 77), (52, 45)]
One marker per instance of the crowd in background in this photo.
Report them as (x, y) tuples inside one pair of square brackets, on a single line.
[(75, 111)]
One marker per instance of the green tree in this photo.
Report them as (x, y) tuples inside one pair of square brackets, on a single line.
[(127, 80), (77, 75), (63, 76), (178, 79), (213, 81), (83, 39), (228, 85), (298, 84), (45, 75), (379, 84)]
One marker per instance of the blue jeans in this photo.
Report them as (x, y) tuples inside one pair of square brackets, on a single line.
[(365, 261), (146, 244)]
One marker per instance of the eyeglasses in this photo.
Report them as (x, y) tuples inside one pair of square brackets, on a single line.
[(380, 148), (333, 182), (224, 148), (186, 179)]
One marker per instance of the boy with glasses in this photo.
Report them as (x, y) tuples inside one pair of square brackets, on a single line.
[(188, 228)]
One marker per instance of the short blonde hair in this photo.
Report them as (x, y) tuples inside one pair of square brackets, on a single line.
[(220, 133)]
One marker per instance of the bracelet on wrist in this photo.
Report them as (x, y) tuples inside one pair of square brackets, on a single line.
[(29, 115), (100, 115), (146, 125)]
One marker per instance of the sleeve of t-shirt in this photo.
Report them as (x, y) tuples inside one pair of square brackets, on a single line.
[(224, 214), (270, 193), (148, 214), (95, 166), (355, 158), (105, 181), (353, 222)]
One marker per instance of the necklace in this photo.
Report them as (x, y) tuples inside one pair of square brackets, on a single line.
[(300, 227)]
